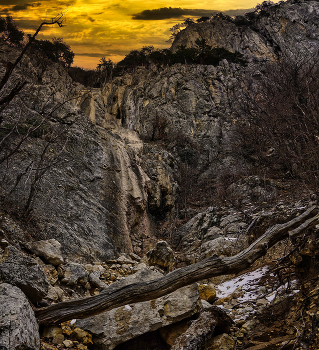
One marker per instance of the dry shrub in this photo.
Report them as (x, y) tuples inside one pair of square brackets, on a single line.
[(276, 118)]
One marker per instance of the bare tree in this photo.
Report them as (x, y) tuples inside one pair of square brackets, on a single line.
[(11, 66), (27, 118), (276, 116)]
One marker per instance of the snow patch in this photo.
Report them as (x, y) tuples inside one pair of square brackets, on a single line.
[(245, 281)]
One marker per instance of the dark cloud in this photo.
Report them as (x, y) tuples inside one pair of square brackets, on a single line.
[(21, 7), (169, 12), (177, 12), (15, 3), (91, 19)]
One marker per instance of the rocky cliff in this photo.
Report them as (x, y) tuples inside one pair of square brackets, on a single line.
[(92, 191), (92, 178), (286, 28)]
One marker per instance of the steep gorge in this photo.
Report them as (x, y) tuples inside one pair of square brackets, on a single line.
[(116, 169)]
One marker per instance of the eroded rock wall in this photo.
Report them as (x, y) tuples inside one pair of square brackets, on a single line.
[(81, 179)]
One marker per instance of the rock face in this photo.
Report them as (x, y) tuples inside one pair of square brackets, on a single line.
[(224, 33), (93, 195), (18, 325), (119, 325), (23, 272), (182, 103), (92, 203), (211, 232), (289, 28), (103, 186)]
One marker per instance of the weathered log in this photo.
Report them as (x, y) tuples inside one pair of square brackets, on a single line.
[(213, 266)]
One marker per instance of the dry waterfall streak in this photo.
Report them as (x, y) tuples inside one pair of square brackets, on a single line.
[(213, 266)]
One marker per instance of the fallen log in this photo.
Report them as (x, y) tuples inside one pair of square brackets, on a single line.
[(213, 266)]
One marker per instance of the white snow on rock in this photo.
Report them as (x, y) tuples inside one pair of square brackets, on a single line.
[(247, 282), (251, 291)]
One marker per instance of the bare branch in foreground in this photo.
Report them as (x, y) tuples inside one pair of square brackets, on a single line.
[(114, 296)]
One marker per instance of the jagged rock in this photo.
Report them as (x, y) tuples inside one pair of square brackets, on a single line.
[(222, 342), (286, 28), (119, 325), (68, 343), (171, 332), (58, 339), (46, 346), (192, 101), (18, 325), (56, 294), (198, 226), (206, 305), (49, 250), (224, 33), (139, 267), (211, 232), (225, 246), (162, 255), (24, 272), (135, 257), (207, 292), (94, 279), (160, 166), (51, 331), (51, 273), (95, 194), (74, 273), (201, 330), (82, 336)]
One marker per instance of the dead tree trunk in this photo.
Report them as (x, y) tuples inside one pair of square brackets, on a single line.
[(114, 296)]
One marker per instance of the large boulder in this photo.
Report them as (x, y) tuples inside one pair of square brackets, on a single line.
[(162, 255), (73, 273), (24, 272), (49, 250), (130, 321), (18, 325)]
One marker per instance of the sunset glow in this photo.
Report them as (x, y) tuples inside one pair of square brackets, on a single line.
[(111, 29)]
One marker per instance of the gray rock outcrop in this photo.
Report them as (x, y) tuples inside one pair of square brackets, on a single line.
[(210, 232), (290, 28), (221, 32), (18, 325), (93, 195), (119, 325), (24, 272)]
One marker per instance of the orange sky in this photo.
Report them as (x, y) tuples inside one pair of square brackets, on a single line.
[(111, 28)]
